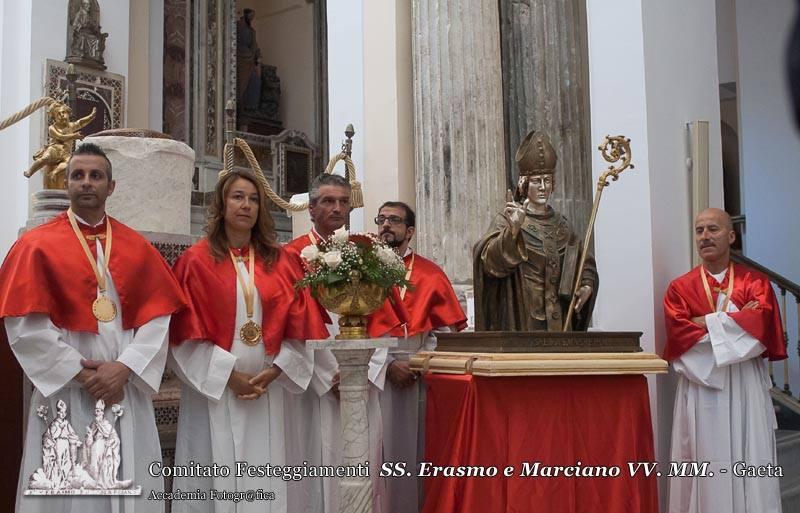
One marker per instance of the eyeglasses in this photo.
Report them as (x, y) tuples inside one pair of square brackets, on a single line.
[(393, 220)]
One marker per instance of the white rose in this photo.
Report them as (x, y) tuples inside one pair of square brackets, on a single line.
[(310, 253), (388, 257), (340, 235), (332, 259)]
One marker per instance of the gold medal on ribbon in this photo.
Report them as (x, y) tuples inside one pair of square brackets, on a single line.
[(250, 332), (728, 292), (103, 308)]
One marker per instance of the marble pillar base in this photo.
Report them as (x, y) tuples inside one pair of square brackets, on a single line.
[(154, 182), (353, 359)]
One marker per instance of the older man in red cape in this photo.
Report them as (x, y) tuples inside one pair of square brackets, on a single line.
[(329, 206), (722, 320)]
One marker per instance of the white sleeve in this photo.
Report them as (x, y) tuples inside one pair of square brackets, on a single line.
[(378, 364), (297, 363), (146, 355), (48, 361), (730, 343), (325, 368), (203, 365), (698, 365)]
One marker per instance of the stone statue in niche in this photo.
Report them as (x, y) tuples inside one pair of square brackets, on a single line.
[(248, 55), (86, 42), (258, 87), (270, 94)]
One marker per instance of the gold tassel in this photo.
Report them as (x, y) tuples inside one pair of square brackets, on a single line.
[(356, 195)]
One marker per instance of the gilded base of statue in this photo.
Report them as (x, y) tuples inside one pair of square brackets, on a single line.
[(540, 342)]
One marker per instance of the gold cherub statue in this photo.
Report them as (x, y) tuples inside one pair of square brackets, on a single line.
[(53, 157)]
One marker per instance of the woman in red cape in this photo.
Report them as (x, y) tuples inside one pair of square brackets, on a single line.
[(238, 347)]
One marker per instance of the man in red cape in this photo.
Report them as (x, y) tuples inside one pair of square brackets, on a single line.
[(329, 206), (432, 306), (722, 320), (81, 335)]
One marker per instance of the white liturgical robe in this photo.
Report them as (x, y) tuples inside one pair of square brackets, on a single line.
[(403, 411), (51, 357), (216, 427), (724, 415)]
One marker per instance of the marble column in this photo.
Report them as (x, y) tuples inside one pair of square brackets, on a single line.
[(458, 129), (546, 86), (353, 359)]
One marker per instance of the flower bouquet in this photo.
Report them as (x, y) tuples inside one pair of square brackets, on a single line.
[(351, 275)]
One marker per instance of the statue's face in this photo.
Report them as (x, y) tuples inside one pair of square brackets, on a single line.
[(62, 115), (540, 187)]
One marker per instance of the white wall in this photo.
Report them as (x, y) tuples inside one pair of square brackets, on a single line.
[(346, 85), (145, 76), (770, 147), (15, 78), (643, 228), (388, 107)]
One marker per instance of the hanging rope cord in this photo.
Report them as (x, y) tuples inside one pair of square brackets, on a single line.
[(27, 111), (356, 196)]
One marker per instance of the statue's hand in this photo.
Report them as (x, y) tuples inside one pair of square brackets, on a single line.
[(515, 213), (583, 295)]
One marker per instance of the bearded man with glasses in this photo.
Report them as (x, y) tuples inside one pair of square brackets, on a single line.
[(432, 306)]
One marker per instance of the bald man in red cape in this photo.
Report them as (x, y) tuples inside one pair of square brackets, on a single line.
[(432, 306), (81, 335), (722, 323)]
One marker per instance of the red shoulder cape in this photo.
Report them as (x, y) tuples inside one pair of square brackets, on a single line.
[(296, 245), (46, 271), (431, 301), (686, 298), (210, 287)]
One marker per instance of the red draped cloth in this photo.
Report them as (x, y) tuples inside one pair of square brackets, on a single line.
[(686, 298), (560, 420)]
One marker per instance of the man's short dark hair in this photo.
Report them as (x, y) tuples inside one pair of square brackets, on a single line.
[(411, 218), (325, 179), (91, 149)]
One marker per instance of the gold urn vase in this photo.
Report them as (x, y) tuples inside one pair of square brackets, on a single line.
[(352, 301)]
